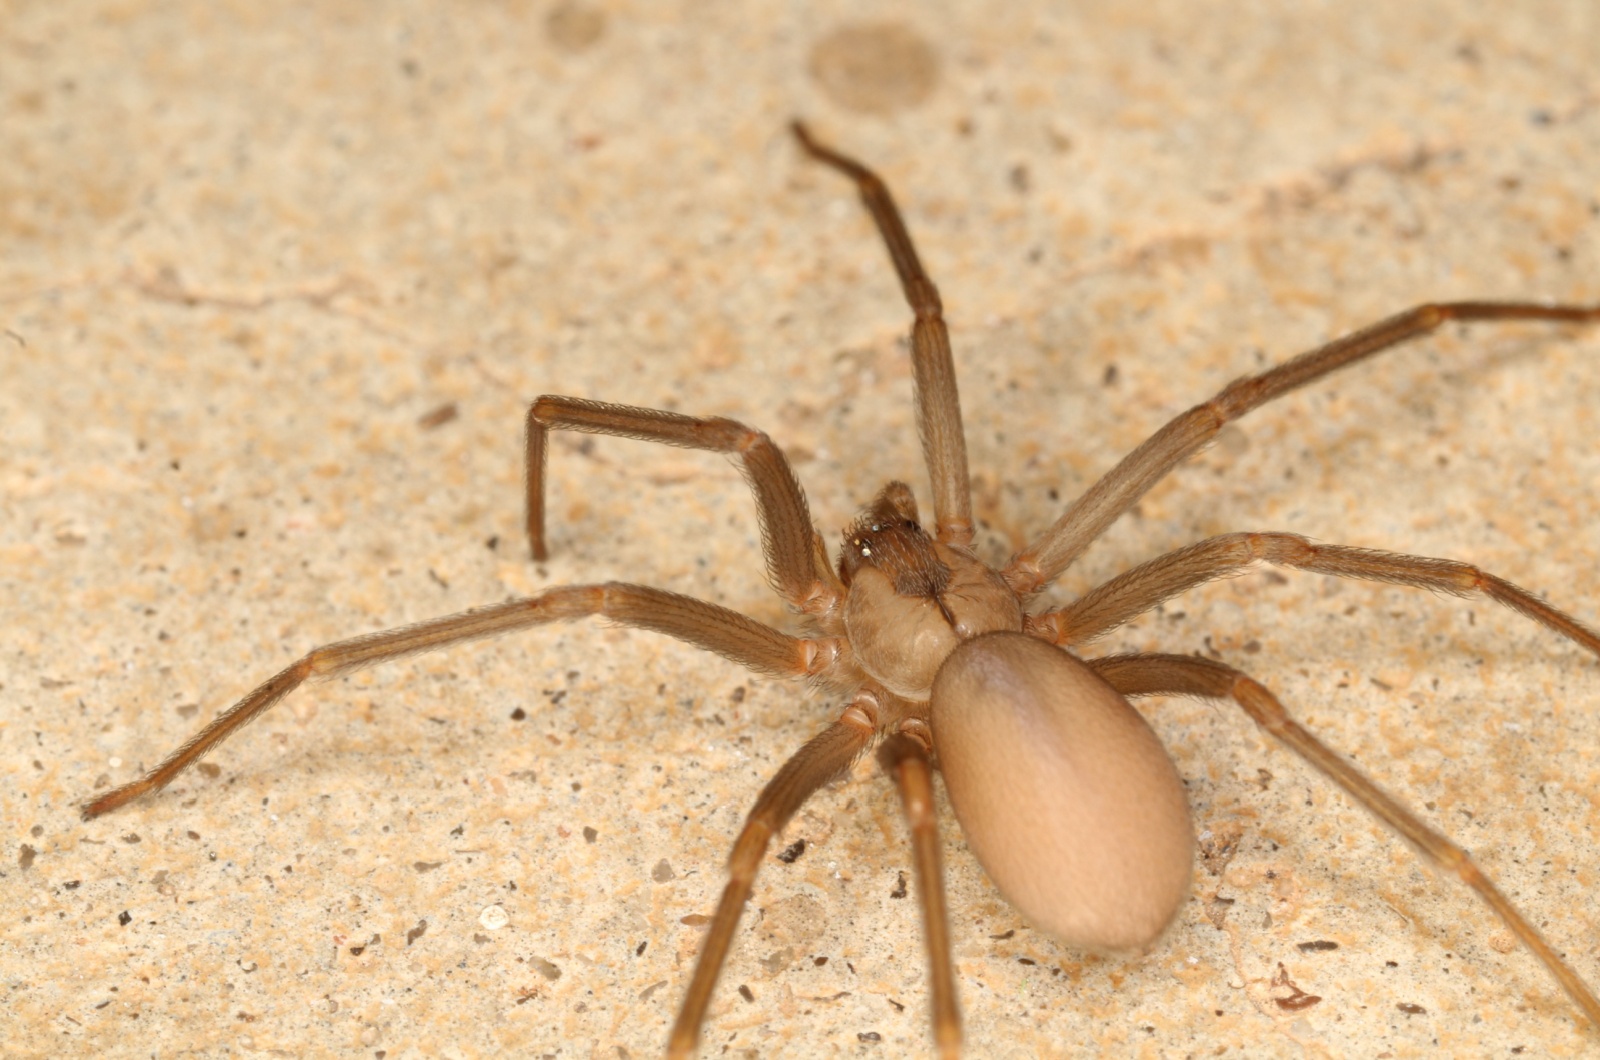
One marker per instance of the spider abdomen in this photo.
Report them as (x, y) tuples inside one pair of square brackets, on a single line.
[(1066, 796)]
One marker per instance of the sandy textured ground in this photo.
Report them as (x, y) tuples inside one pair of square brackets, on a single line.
[(278, 282)]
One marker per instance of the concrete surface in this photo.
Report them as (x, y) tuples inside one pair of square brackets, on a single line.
[(279, 280)]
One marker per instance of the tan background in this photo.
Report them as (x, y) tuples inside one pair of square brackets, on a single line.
[(249, 249)]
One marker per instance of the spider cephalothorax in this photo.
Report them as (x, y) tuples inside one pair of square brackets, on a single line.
[(912, 599)]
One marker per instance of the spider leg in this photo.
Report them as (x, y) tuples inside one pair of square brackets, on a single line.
[(788, 539), (933, 373), (1145, 675), (1111, 604), (824, 758), (1087, 517), (905, 757), (728, 633)]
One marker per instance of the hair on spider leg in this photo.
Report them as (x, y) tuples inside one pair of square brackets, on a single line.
[(1061, 788)]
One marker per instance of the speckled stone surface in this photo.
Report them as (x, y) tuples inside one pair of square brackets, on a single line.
[(279, 281)]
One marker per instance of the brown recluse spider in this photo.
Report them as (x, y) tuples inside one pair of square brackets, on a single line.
[(1065, 795)]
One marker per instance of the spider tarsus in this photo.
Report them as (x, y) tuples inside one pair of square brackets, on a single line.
[(113, 799), (816, 149)]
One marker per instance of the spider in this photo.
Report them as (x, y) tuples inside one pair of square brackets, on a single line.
[(1062, 790)]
